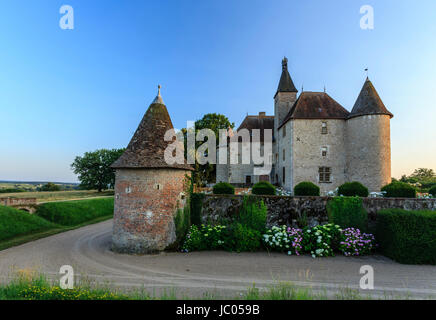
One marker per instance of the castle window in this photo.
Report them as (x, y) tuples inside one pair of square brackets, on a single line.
[(283, 154), (283, 175), (324, 151), (284, 130), (324, 128), (324, 174)]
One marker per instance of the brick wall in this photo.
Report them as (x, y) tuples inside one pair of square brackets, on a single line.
[(146, 201)]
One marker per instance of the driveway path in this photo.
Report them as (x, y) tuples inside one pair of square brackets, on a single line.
[(226, 274)]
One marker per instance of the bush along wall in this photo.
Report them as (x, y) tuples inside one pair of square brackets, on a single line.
[(306, 188), (348, 212), (223, 188), (263, 188), (432, 191), (196, 207), (407, 236), (243, 234), (352, 189), (399, 189)]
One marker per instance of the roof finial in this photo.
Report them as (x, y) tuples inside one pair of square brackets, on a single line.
[(285, 63), (367, 77), (324, 89), (158, 98)]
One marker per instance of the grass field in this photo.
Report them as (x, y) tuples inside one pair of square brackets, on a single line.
[(18, 227), (48, 196), (71, 213)]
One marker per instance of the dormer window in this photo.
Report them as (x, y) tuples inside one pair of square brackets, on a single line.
[(284, 131), (324, 128)]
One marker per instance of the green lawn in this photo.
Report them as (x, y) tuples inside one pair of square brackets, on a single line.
[(47, 196), (18, 227)]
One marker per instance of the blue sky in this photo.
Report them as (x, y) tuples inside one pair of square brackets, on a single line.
[(65, 92)]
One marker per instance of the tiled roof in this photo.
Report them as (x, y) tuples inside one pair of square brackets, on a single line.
[(316, 105), (147, 146), (369, 102)]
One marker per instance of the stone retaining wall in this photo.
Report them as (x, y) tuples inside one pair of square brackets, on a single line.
[(291, 210)]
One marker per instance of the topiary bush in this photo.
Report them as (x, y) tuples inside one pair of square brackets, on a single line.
[(347, 212), (352, 189), (407, 236), (399, 189), (263, 188), (223, 188), (306, 189), (432, 191)]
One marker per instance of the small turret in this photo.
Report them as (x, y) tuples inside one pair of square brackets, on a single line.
[(148, 190), (368, 140)]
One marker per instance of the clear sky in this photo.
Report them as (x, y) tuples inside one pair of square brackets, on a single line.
[(65, 92)]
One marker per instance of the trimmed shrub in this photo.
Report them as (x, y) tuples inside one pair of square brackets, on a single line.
[(196, 207), (223, 188), (15, 222), (70, 213), (306, 189), (253, 214), (263, 188), (347, 212), (399, 189), (352, 189), (432, 191), (407, 236)]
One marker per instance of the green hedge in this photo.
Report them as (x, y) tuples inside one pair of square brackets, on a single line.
[(70, 213), (196, 207), (352, 189), (407, 236), (348, 212), (223, 188), (15, 222), (263, 188), (306, 189), (399, 189)]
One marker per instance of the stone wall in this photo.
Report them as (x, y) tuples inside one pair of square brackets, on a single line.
[(292, 210)]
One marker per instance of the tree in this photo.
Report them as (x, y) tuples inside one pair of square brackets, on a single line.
[(215, 122), (50, 186), (94, 169), (423, 174)]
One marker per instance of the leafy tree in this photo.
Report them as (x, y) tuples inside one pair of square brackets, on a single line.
[(213, 121), (94, 169), (50, 186), (423, 174)]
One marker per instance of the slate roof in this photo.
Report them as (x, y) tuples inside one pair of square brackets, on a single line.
[(369, 102), (315, 105), (286, 84), (147, 146)]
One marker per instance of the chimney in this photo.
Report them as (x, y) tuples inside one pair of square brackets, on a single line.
[(262, 114)]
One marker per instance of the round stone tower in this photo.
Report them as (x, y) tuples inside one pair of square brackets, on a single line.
[(368, 140), (148, 190)]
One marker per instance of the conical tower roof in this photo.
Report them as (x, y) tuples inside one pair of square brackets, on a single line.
[(286, 84), (369, 102), (147, 146)]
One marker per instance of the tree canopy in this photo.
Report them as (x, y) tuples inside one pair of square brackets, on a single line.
[(93, 169)]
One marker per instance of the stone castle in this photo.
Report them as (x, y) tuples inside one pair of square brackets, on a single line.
[(316, 139)]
